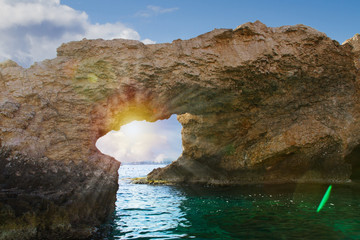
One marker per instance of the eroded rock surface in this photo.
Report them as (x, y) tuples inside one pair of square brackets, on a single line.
[(355, 43), (257, 105)]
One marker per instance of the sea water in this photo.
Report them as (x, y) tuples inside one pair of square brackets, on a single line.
[(236, 212)]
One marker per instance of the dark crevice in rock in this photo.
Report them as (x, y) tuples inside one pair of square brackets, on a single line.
[(354, 159)]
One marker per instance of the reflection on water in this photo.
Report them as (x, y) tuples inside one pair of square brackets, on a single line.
[(147, 211), (246, 212)]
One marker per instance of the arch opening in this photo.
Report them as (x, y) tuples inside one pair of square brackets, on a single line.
[(143, 142)]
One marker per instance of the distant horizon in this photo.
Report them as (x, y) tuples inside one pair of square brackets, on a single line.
[(147, 163)]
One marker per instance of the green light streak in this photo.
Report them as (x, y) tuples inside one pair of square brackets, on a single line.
[(324, 199)]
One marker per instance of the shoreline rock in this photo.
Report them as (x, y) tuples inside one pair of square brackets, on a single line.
[(215, 183)]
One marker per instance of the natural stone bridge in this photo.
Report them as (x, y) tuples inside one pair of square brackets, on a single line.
[(257, 105)]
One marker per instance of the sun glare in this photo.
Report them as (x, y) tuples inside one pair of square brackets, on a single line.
[(141, 141), (136, 129)]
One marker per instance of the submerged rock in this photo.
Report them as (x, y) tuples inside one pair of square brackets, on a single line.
[(257, 105)]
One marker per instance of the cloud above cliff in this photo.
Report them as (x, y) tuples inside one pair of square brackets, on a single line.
[(31, 30), (152, 10)]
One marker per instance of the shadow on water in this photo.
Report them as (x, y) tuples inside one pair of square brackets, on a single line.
[(286, 211)]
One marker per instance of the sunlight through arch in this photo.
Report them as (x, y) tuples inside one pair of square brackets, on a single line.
[(141, 142)]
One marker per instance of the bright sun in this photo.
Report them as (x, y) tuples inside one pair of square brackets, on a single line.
[(136, 129), (141, 141)]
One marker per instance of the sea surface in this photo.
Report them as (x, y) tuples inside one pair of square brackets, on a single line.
[(241, 212)]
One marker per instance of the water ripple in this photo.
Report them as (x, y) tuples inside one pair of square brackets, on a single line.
[(248, 212)]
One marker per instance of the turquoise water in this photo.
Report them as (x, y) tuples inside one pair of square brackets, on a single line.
[(244, 212)]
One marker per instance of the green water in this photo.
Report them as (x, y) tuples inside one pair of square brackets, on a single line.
[(244, 212)]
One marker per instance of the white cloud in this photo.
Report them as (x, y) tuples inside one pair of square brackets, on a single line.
[(142, 142), (160, 158), (148, 41), (154, 10), (31, 30), (157, 9), (110, 31)]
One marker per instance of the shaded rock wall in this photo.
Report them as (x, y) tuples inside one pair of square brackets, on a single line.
[(257, 104)]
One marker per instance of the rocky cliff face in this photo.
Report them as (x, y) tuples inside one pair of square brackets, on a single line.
[(354, 42), (257, 104), (291, 112)]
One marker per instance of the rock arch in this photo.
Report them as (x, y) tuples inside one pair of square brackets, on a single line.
[(257, 104)]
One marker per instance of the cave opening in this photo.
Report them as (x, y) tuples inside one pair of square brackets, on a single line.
[(354, 159), (143, 142)]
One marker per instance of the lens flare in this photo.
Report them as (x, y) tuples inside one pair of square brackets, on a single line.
[(324, 199)]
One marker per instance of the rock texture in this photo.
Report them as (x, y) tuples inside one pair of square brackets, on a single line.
[(257, 105), (355, 43)]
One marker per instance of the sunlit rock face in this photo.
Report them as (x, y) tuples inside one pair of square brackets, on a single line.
[(355, 43), (257, 105)]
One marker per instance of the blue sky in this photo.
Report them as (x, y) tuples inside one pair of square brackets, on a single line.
[(189, 18), (31, 30)]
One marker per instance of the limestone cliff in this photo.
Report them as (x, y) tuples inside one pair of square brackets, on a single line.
[(257, 104)]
